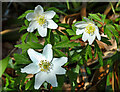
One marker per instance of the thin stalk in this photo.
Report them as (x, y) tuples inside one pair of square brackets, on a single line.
[(118, 4), (112, 8), (68, 5)]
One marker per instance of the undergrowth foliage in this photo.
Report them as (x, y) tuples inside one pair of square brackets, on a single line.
[(65, 43)]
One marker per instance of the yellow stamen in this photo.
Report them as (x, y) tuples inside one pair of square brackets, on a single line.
[(45, 65), (41, 19), (90, 28)]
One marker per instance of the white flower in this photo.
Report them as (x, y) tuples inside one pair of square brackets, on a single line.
[(89, 30), (41, 20), (44, 66)]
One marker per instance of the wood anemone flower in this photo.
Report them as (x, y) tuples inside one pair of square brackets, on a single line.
[(45, 66), (41, 20), (89, 30)]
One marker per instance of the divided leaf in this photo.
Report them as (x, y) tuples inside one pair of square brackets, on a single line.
[(3, 64), (21, 59), (65, 44)]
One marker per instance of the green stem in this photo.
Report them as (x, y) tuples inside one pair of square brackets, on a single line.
[(112, 8), (68, 5)]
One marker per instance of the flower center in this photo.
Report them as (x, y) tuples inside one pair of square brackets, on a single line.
[(45, 65), (41, 20), (90, 28)]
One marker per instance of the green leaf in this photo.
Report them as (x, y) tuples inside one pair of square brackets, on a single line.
[(77, 69), (24, 14), (99, 52), (33, 37), (23, 46), (73, 26), (21, 59), (96, 46), (117, 19), (35, 45), (65, 44), (60, 79), (105, 40), (58, 52), (10, 80), (24, 37), (107, 31), (20, 80), (10, 64), (116, 57), (100, 58), (108, 84), (64, 38), (56, 38), (26, 46), (56, 18), (28, 84), (7, 82), (3, 64), (8, 89), (98, 24), (37, 34), (113, 30), (102, 16), (26, 22), (76, 37), (95, 17), (81, 62), (70, 32), (72, 75), (64, 25), (88, 52), (52, 38), (22, 28), (75, 57), (117, 27), (88, 70)]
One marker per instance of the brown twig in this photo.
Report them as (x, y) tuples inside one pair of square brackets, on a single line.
[(109, 8), (83, 10)]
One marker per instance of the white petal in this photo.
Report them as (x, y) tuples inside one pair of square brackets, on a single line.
[(85, 36), (31, 69), (35, 56), (38, 10), (44, 76), (97, 33), (49, 14), (32, 26), (81, 24), (59, 61), (30, 16), (91, 39), (78, 32), (42, 31), (39, 79), (47, 52), (51, 78), (58, 69), (52, 24)]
